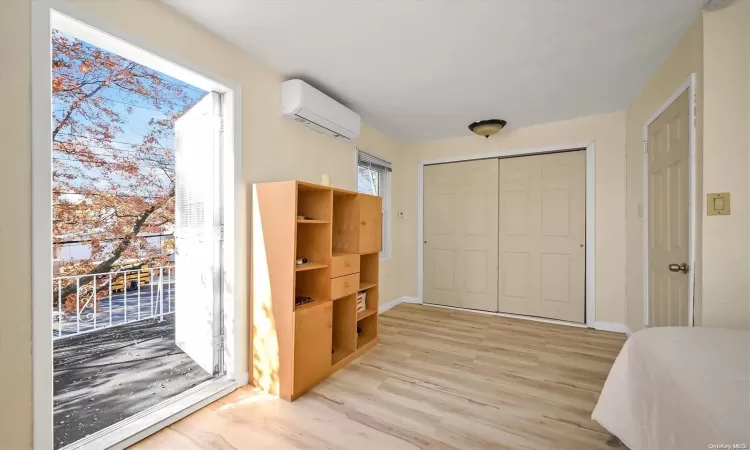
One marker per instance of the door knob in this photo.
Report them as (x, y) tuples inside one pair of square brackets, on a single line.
[(679, 268)]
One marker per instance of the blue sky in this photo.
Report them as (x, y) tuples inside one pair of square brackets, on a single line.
[(136, 125)]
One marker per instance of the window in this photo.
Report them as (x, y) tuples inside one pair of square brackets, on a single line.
[(374, 178)]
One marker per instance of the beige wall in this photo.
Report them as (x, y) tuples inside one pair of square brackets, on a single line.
[(684, 59), (273, 149), (608, 132), (726, 165), (717, 49), (15, 226)]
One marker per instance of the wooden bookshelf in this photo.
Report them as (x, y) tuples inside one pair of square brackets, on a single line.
[(365, 285), (366, 313), (369, 333), (309, 266), (312, 304), (339, 232)]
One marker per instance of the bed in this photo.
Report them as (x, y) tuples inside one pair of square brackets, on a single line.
[(679, 388)]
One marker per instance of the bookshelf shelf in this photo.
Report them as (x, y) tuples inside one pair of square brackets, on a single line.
[(365, 285), (309, 266), (366, 313)]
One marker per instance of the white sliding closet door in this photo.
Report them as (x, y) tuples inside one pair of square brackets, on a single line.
[(460, 230), (542, 225)]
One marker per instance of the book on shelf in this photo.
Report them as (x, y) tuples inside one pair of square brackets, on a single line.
[(300, 300)]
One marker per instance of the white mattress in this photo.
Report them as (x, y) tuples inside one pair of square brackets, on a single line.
[(679, 388)]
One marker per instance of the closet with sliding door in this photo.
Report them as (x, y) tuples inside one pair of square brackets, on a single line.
[(507, 235)]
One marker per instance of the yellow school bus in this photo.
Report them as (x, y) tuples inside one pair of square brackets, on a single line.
[(131, 279)]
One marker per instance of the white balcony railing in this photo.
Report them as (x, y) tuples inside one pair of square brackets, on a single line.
[(111, 299)]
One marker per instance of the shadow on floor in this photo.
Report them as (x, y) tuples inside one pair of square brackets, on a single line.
[(106, 376)]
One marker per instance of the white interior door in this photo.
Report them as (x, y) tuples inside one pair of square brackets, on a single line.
[(198, 231), (460, 230), (542, 236), (668, 216)]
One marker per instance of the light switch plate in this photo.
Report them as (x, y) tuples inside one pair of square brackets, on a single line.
[(717, 204)]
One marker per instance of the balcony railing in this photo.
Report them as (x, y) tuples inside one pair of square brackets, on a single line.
[(111, 299)]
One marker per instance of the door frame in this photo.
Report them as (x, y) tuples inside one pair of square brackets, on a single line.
[(590, 149), (687, 85), (44, 15)]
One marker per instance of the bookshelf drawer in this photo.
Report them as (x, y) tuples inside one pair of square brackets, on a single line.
[(344, 264), (343, 286)]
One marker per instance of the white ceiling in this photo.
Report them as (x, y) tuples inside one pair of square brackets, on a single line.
[(425, 69)]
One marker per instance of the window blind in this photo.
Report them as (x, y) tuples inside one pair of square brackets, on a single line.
[(373, 162)]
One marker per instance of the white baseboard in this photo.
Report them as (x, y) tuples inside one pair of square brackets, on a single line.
[(511, 316), (603, 326), (614, 327), (395, 302)]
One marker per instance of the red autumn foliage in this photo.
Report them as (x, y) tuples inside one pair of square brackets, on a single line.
[(107, 192)]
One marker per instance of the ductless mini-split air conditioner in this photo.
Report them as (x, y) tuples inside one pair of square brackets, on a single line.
[(312, 108)]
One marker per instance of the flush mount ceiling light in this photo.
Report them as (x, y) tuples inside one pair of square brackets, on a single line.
[(487, 128)]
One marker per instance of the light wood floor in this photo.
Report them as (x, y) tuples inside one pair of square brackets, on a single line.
[(438, 379)]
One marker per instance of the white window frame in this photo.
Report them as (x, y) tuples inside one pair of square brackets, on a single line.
[(386, 192), (48, 14)]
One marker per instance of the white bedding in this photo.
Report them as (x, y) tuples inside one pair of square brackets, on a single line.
[(679, 388)]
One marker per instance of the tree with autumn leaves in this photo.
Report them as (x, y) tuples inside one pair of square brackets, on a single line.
[(111, 189)]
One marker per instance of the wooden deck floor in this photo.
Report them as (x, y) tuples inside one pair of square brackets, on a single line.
[(439, 379)]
